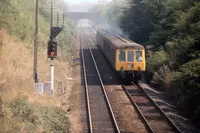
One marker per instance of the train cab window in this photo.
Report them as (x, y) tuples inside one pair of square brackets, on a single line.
[(139, 56), (122, 56), (130, 56)]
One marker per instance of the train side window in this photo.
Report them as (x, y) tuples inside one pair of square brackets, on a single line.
[(122, 56), (130, 56), (139, 56)]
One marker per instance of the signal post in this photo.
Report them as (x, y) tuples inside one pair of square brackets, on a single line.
[(52, 45), (52, 52)]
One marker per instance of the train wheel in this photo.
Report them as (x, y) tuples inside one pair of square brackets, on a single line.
[(128, 78), (136, 77), (124, 81)]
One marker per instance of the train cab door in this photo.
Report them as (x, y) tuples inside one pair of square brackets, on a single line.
[(130, 59), (139, 60), (120, 59)]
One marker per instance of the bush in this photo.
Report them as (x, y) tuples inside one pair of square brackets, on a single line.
[(188, 76), (163, 76), (22, 110), (54, 119), (154, 62), (23, 117), (34, 118), (188, 94)]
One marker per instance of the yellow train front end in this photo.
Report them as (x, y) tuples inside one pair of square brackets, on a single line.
[(131, 64), (130, 60)]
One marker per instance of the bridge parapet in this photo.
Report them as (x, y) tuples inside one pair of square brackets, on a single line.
[(76, 16)]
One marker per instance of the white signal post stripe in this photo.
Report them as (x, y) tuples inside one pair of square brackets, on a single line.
[(52, 77)]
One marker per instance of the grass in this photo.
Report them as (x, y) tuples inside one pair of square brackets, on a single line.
[(21, 109), (16, 82)]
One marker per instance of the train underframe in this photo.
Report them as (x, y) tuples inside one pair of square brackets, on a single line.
[(129, 77)]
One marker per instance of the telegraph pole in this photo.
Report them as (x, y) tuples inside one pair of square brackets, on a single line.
[(35, 76), (51, 23), (63, 19), (57, 19)]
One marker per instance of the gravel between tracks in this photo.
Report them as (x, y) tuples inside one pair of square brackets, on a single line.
[(128, 119)]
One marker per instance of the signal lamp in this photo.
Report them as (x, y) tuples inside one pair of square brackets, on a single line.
[(52, 49)]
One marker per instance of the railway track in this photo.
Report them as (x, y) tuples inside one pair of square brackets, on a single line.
[(99, 111), (155, 119)]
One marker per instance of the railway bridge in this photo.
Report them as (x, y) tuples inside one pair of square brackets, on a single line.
[(94, 17)]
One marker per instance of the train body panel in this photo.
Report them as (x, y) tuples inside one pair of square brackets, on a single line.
[(108, 52)]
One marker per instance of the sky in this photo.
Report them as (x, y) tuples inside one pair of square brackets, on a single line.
[(82, 1), (82, 5)]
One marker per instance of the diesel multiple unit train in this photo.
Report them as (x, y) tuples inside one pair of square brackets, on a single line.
[(125, 56)]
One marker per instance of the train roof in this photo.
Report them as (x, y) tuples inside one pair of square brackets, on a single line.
[(119, 42)]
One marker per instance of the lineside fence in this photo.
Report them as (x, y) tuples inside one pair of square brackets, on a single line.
[(45, 88)]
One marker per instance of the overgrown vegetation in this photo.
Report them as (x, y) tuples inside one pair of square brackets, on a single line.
[(20, 109), (170, 31), (173, 27), (31, 117)]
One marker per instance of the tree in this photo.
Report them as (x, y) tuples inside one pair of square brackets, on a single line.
[(139, 19), (185, 45)]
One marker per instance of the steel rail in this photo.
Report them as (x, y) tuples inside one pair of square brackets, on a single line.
[(138, 110), (104, 91), (86, 89), (161, 111), (93, 37)]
